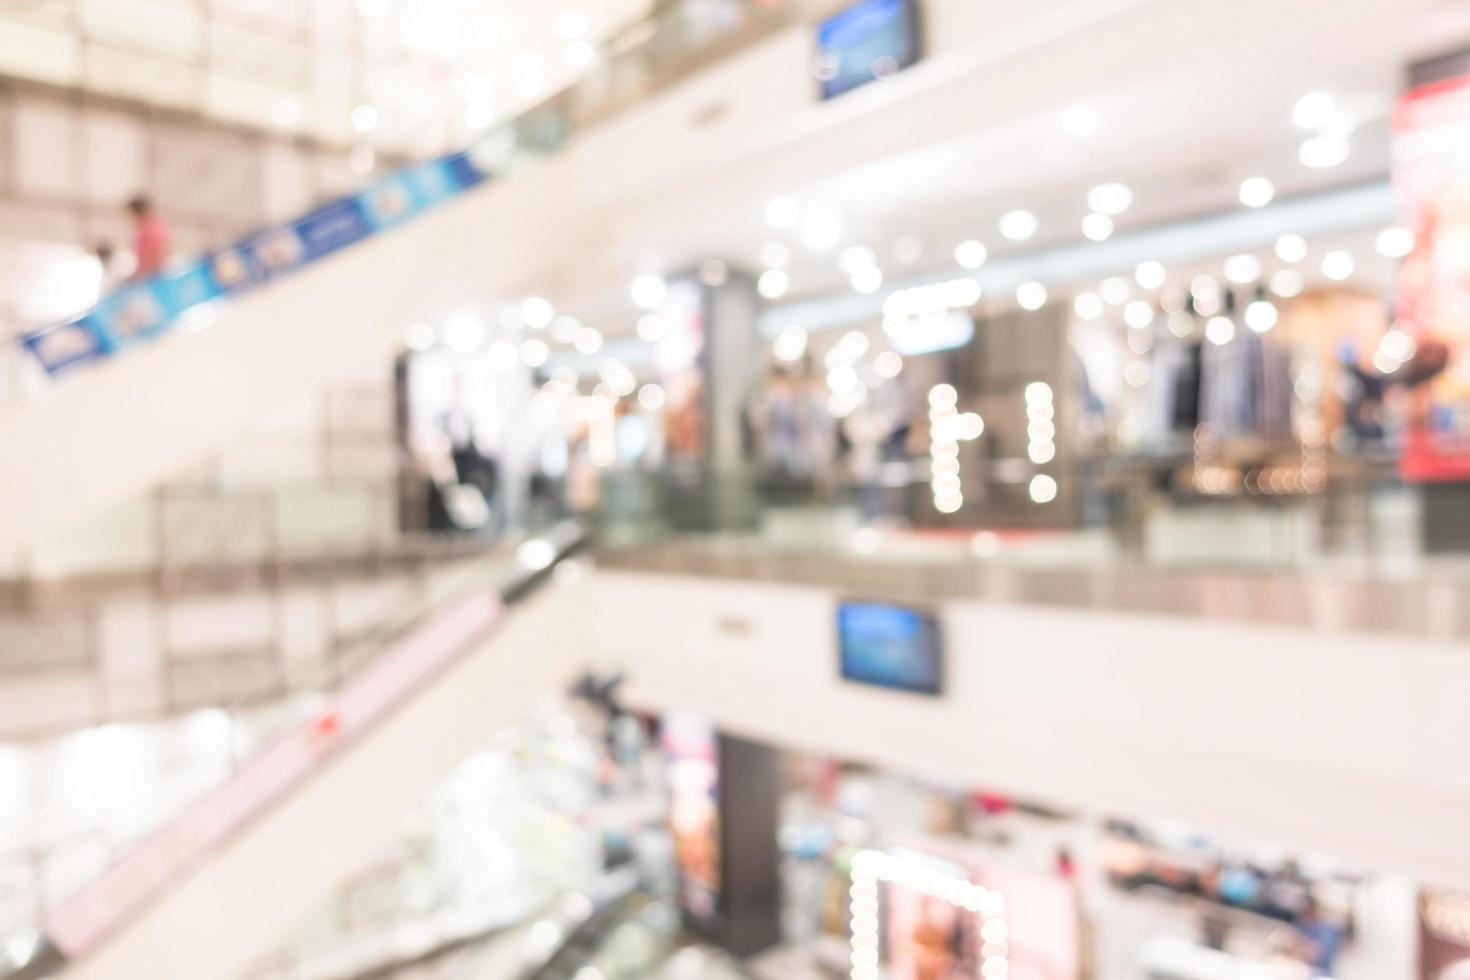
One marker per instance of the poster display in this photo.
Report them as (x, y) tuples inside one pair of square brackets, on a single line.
[(692, 747), (1432, 178), (682, 368)]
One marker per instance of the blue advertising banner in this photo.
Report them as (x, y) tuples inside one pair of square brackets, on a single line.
[(142, 311)]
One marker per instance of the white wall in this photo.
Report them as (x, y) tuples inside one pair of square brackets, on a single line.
[(1324, 743)]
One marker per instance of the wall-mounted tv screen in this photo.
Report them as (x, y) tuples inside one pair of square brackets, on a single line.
[(896, 647), (869, 40)]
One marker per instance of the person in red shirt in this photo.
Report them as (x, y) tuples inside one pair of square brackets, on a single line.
[(150, 238)]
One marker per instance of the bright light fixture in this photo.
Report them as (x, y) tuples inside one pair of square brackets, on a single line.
[(1324, 152), (855, 258), (1220, 330), (775, 255), (1287, 283), (1110, 199), (1151, 275), (1291, 248), (1261, 316), (868, 281), (971, 254), (534, 352), (783, 212), (1097, 227), (1139, 314), (1031, 296), (1257, 192), (537, 313), (651, 328), (1088, 306), (1019, 225), (589, 341), (1314, 111), (1242, 270), (821, 230), (1338, 266), (790, 344), (365, 118), (1080, 121), (1394, 243), (648, 291), (773, 283), (1043, 489)]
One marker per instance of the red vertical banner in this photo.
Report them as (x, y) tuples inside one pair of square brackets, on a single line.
[(1432, 178)]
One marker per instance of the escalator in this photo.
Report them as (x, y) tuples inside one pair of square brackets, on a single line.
[(218, 884), (164, 370)]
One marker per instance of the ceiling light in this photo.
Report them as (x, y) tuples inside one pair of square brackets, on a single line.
[(887, 365), (1080, 121), (1220, 330), (651, 397), (907, 250), (1031, 296), (1338, 266), (1262, 315), (1291, 248), (1088, 306), (971, 254), (821, 230), (783, 212), (1019, 225), (1151, 275), (1394, 243), (1097, 227), (855, 258), (1324, 152), (1287, 283), (1110, 199), (648, 291), (464, 332), (1257, 192), (365, 118), (790, 344), (1242, 270), (775, 255), (1314, 111), (868, 281), (773, 283), (286, 113), (589, 341), (1043, 489), (534, 352), (1138, 314), (1116, 291), (1181, 324), (537, 313)]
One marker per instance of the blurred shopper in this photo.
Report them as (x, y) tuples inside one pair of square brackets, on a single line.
[(150, 238)]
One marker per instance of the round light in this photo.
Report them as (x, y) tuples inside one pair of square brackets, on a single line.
[(1097, 227), (1394, 243), (821, 230), (1181, 324), (775, 255), (1257, 192), (1110, 199), (651, 397), (1338, 266), (853, 345), (1242, 270), (1287, 283), (1324, 152), (464, 332), (1042, 452), (1291, 248), (1043, 489), (534, 352), (887, 365), (1019, 226), (1080, 121), (949, 503), (1137, 373), (790, 344), (1261, 316), (1038, 395), (1314, 111), (1220, 330), (537, 313), (1138, 314), (650, 328), (1116, 291), (907, 250), (943, 396), (564, 329), (773, 283), (843, 379), (365, 118), (1031, 296), (580, 54), (867, 281), (1089, 306), (589, 341), (783, 212), (648, 291), (971, 254), (1151, 275)]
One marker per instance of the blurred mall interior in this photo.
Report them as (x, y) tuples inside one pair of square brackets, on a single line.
[(734, 489)]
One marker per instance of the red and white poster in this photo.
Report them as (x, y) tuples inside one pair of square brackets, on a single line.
[(1432, 179)]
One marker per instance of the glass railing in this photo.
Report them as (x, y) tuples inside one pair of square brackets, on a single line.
[(189, 294), (253, 746)]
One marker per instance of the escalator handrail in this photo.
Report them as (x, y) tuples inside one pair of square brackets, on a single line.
[(82, 922)]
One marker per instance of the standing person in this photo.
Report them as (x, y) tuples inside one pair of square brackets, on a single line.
[(150, 238)]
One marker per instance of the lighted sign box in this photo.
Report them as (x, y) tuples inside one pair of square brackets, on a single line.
[(869, 40)]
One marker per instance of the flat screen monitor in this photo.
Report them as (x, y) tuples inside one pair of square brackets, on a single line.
[(894, 647), (869, 40)]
